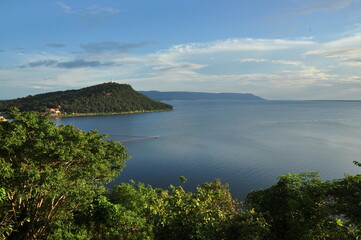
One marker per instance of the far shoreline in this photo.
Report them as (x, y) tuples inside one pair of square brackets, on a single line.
[(107, 114)]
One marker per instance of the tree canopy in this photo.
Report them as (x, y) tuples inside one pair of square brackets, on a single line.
[(48, 172), (103, 98)]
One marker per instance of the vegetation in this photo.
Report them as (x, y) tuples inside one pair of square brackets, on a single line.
[(52, 187), (47, 173), (104, 98), (301, 206)]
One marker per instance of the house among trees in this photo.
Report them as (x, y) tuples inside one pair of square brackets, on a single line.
[(2, 118), (53, 111)]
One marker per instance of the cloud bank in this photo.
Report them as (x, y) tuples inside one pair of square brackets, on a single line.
[(78, 63), (271, 68), (111, 47)]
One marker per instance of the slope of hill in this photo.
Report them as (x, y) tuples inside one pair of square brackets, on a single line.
[(199, 95), (103, 98)]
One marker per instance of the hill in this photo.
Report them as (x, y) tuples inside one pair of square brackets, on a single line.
[(199, 95), (103, 98)]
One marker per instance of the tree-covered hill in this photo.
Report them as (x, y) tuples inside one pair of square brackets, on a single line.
[(103, 98)]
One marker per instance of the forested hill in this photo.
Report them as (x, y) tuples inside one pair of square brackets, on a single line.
[(103, 98), (199, 95)]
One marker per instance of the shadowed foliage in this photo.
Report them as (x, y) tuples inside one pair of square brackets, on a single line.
[(103, 98)]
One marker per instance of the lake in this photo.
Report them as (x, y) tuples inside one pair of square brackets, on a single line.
[(245, 144)]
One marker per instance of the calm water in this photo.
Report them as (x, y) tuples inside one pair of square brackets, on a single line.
[(245, 144)]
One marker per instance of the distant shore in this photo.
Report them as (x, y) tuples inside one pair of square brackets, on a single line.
[(106, 114)]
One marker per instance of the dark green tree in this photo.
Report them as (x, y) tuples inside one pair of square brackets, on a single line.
[(209, 213), (346, 194), (122, 214), (299, 206), (47, 173), (102, 98), (137, 212)]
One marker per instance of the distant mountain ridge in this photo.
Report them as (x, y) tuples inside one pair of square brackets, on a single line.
[(103, 98), (199, 95)]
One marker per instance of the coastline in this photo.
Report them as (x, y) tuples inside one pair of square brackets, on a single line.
[(106, 114)]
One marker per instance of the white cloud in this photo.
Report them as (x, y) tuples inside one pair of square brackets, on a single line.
[(286, 80), (188, 58), (238, 44), (262, 60), (347, 56), (92, 10), (178, 66), (325, 5), (307, 76), (347, 50), (352, 79), (39, 87), (66, 8), (346, 42), (356, 62)]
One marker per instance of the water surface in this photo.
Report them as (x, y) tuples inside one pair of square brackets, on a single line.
[(245, 144)]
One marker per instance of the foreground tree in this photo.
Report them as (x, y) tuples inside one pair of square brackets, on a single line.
[(208, 213), (48, 172), (301, 206), (137, 212), (121, 214), (346, 194)]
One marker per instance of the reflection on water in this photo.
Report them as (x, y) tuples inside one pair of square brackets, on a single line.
[(245, 144)]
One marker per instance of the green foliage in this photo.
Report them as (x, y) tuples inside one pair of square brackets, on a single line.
[(47, 172), (347, 201), (183, 179), (135, 211), (209, 213), (357, 163), (122, 214), (247, 225), (102, 98), (200, 215), (107, 220), (299, 206)]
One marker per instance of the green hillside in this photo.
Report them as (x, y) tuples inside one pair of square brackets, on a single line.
[(103, 98)]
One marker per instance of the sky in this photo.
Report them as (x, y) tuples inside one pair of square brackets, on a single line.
[(276, 49)]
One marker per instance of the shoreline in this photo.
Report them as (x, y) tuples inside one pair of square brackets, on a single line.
[(107, 114)]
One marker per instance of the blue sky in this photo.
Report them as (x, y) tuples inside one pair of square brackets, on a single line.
[(279, 49)]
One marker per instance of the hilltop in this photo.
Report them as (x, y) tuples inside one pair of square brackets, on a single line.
[(106, 98), (199, 95)]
